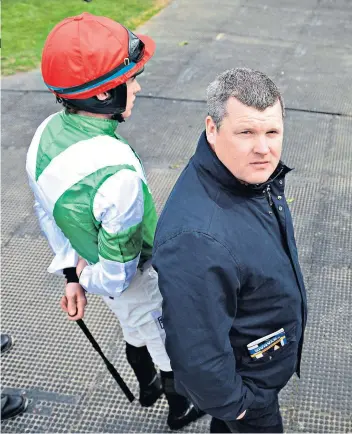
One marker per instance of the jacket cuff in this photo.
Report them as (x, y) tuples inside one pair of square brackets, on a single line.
[(85, 277)]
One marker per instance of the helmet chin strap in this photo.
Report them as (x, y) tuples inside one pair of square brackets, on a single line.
[(118, 117)]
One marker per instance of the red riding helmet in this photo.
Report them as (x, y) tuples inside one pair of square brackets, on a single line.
[(86, 55)]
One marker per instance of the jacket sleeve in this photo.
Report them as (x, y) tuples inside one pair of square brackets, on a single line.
[(118, 207), (65, 255), (199, 281)]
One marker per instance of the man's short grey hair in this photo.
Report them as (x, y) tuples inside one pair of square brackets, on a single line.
[(252, 88)]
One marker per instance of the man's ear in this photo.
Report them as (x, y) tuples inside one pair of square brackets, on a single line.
[(210, 129), (103, 96)]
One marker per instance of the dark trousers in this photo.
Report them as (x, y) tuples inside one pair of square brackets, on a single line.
[(262, 420)]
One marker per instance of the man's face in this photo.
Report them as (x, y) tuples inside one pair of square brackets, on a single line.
[(249, 141), (133, 87)]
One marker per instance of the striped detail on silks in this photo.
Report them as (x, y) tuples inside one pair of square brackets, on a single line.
[(73, 211), (103, 152), (150, 220), (119, 206), (118, 202), (31, 162), (122, 246), (133, 204), (52, 142), (65, 255), (107, 277)]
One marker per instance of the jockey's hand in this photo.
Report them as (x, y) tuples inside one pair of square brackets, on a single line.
[(74, 301)]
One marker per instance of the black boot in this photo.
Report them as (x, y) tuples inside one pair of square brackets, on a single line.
[(12, 405), (150, 388), (181, 410), (6, 343)]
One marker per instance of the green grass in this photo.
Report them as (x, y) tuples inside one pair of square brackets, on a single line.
[(26, 24)]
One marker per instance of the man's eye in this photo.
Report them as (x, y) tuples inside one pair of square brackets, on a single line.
[(272, 132), (245, 132)]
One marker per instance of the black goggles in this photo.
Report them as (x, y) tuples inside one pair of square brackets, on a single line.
[(135, 47)]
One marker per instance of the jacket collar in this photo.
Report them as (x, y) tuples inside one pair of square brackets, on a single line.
[(206, 160), (91, 124)]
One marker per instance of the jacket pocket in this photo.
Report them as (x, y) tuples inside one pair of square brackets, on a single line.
[(274, 369)]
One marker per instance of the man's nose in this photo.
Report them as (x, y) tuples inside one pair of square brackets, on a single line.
[(261, 145)]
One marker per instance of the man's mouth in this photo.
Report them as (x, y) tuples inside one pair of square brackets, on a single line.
[(260, 163)]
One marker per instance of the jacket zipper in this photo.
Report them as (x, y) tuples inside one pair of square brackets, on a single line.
[(267, 190), (267, 193)]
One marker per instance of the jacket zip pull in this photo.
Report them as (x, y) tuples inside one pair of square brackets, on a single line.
[(269, 195)]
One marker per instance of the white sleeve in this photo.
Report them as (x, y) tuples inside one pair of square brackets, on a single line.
[(119, 206), (65, 255)]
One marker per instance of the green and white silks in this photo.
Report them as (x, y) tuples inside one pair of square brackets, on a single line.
[(92, 200)]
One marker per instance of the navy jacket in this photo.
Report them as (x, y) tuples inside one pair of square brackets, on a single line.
[(229, 274)]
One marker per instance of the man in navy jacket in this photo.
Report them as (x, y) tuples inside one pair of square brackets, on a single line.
[(227, 261)]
